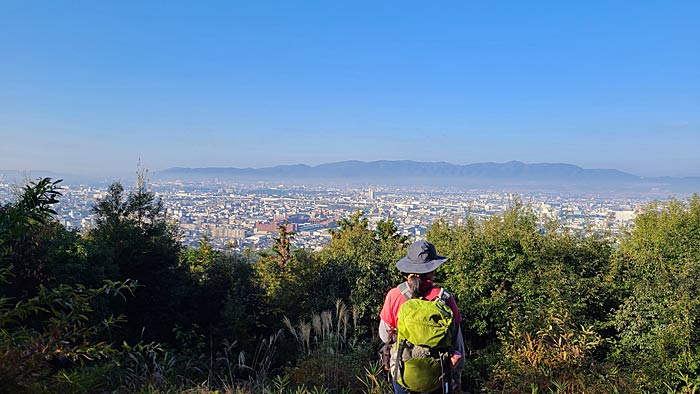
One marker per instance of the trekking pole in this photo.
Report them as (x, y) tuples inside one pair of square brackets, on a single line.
[(446, 376)]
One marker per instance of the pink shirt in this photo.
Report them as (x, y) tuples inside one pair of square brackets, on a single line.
[(394, 299)]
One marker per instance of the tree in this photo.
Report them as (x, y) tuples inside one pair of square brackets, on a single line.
[(287, 277), (360, 263), (134, 240), (659, 271), (514, 283), (44, 331), (26, 225)]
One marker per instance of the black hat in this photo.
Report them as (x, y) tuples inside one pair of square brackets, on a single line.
[(421, 258)]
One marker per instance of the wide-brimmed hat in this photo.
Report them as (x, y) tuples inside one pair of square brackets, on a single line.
[(421, 258)]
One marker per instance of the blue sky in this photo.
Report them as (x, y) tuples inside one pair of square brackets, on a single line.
[(90, 86)]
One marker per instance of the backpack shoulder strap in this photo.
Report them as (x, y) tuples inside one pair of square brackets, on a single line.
[(405, 290), (443, 297)]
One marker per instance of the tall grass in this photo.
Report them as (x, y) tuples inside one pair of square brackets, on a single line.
[(332, 357)]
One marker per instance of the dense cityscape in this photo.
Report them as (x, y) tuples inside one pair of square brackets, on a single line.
[(236, 216)]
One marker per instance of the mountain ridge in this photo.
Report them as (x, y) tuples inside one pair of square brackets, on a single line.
[(413, 169), (513, 175)]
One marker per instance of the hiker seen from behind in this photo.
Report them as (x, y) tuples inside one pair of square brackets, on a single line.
[(420, 328)]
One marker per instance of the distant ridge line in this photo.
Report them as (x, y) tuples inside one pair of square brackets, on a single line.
[(415, 169)]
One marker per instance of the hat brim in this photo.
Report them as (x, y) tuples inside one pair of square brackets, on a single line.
[(409, 266)]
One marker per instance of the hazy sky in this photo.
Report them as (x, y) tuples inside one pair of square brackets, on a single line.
[(91, 86)]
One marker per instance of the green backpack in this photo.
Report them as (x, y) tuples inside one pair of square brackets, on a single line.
[(423, 341)]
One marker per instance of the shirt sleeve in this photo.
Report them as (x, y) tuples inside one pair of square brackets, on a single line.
[(385, 331), (390, 308)]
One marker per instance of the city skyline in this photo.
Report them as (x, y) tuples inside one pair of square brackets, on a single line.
[(236, 216), (92, 88)]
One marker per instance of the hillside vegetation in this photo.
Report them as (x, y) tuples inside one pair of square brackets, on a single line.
[(126, 308)]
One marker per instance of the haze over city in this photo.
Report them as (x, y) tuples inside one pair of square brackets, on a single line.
[(89, 88)]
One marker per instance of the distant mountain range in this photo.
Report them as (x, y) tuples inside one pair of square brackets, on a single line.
[(410, 172), (513, 175)]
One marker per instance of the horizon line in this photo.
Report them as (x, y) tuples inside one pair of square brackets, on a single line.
[(3, 171)]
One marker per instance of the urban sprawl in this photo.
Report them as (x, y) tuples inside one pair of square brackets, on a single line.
[(240, 216)]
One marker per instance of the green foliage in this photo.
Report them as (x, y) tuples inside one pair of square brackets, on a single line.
[(133, 240), (557, 355), (63, 336), (34, 206), (361, 263), (199, 260), (659, 272), (143, 366), (27, 231), (374, 380), (544, 309), (287, 278), (506, 273)]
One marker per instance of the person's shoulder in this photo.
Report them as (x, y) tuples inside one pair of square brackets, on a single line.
[(393, 292)]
